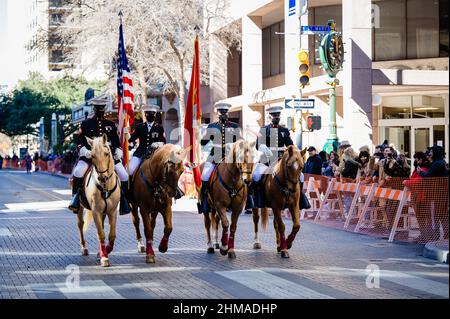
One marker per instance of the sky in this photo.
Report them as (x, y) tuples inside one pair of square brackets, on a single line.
[(3, 39)]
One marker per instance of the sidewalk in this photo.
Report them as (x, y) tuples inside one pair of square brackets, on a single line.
[(437, 250)]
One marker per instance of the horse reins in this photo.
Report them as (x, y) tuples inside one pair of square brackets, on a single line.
[(232, 192), (105, 193), (285, 190), (157, 186)]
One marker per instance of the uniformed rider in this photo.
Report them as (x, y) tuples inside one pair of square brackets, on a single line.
[(219, 134), (150, 135), (93, 127), (272, 142)]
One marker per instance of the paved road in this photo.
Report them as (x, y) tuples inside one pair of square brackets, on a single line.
[(39, 250)]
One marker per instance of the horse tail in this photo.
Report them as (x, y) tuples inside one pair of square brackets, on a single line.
[(264, 218), (88, 220)]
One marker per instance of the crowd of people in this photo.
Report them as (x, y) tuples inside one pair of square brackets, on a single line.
[(381, 166), (389, 168)]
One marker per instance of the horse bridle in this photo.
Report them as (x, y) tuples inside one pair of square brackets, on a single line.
[(101, 186), (285, 190), (158, 186), (232, 192)]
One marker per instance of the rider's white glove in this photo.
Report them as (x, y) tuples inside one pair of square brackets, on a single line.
[(85, 152), (265, 150), (118, 155), (157, 144)]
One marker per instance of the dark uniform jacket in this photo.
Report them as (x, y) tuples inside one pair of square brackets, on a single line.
[(314, 165), (279, 141), (94, 127), (220, 134), (147, 137)]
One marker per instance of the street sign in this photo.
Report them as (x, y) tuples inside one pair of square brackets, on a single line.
[(299, 103), (315, 29), (292, 7)]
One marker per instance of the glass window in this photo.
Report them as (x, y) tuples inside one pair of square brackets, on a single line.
[(273, 50), (400, 137), (443, 28), (423, 29), (321, 17), (396, 107), (428, 106), (439, 135), (390, 40)]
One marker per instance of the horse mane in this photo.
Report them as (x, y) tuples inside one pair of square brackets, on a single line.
[(159, 157)]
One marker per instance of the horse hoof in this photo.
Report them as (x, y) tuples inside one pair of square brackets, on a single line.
[(256, 246), (84, 252), (223, 252), (231, 255), (104, 262), (162, 249), (150, 259), (210, 250), (284, 254), (216, 246), (141, 249)]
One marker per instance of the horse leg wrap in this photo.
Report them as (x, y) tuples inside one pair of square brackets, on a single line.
[(290, 239), (231, 241), (283, 243), (149, 249), (225, 237), (109, 248), (103, 252), (163, 245)]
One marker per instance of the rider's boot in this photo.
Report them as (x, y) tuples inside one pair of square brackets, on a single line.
[(258, 195), (203, 207), (124, 204), (179, 194), (74, 205), (250, 203)]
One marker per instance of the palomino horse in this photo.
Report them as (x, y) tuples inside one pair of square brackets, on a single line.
[(155, 184), (101, 191), (228, 191), (281, 190)]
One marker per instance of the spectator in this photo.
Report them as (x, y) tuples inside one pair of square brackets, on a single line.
[(350, 164), (1, 161), (331, 165), (390, 166), (438, 191), (314, 163), (438, 166), (36, 161), (342, 147), (366, 165), (28, 163), (419, 198)]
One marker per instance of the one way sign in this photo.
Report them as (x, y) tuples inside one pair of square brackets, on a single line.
[(299, 103)]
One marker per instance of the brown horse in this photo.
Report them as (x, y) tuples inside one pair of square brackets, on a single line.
[(102, 195), (228, 190), (155, 184), (282, 190)]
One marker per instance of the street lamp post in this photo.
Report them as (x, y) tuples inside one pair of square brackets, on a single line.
[(332, 57)]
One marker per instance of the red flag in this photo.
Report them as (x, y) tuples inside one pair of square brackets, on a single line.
[(193, 117)]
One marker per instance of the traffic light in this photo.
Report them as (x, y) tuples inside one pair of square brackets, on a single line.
[(303, 59), (314, 123)]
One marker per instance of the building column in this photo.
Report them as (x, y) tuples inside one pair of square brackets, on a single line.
[(217, 74), (252, 79), (357, 72)]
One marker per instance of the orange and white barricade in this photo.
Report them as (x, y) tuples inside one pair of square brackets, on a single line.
[(336, 204), (375, 192), (312, 187), (361, 191)]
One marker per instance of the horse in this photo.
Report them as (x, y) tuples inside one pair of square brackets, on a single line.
[(228, 190), (281, 190), (100, 197), (155, 184)]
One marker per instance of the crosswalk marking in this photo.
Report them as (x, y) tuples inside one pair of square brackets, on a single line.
[(35, 206), (5, 232), (272, 286), (93, 289)]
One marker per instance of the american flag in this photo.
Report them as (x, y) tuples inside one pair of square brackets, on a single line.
[(125, 96)]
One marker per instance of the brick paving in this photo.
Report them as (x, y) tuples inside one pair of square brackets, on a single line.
[(36, 247)]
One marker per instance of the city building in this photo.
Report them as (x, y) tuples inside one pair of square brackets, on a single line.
[(394, 83)]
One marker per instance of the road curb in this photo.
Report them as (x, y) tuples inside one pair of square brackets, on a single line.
[(437, 250)]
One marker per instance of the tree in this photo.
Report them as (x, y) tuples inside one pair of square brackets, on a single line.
[(159, 35)]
